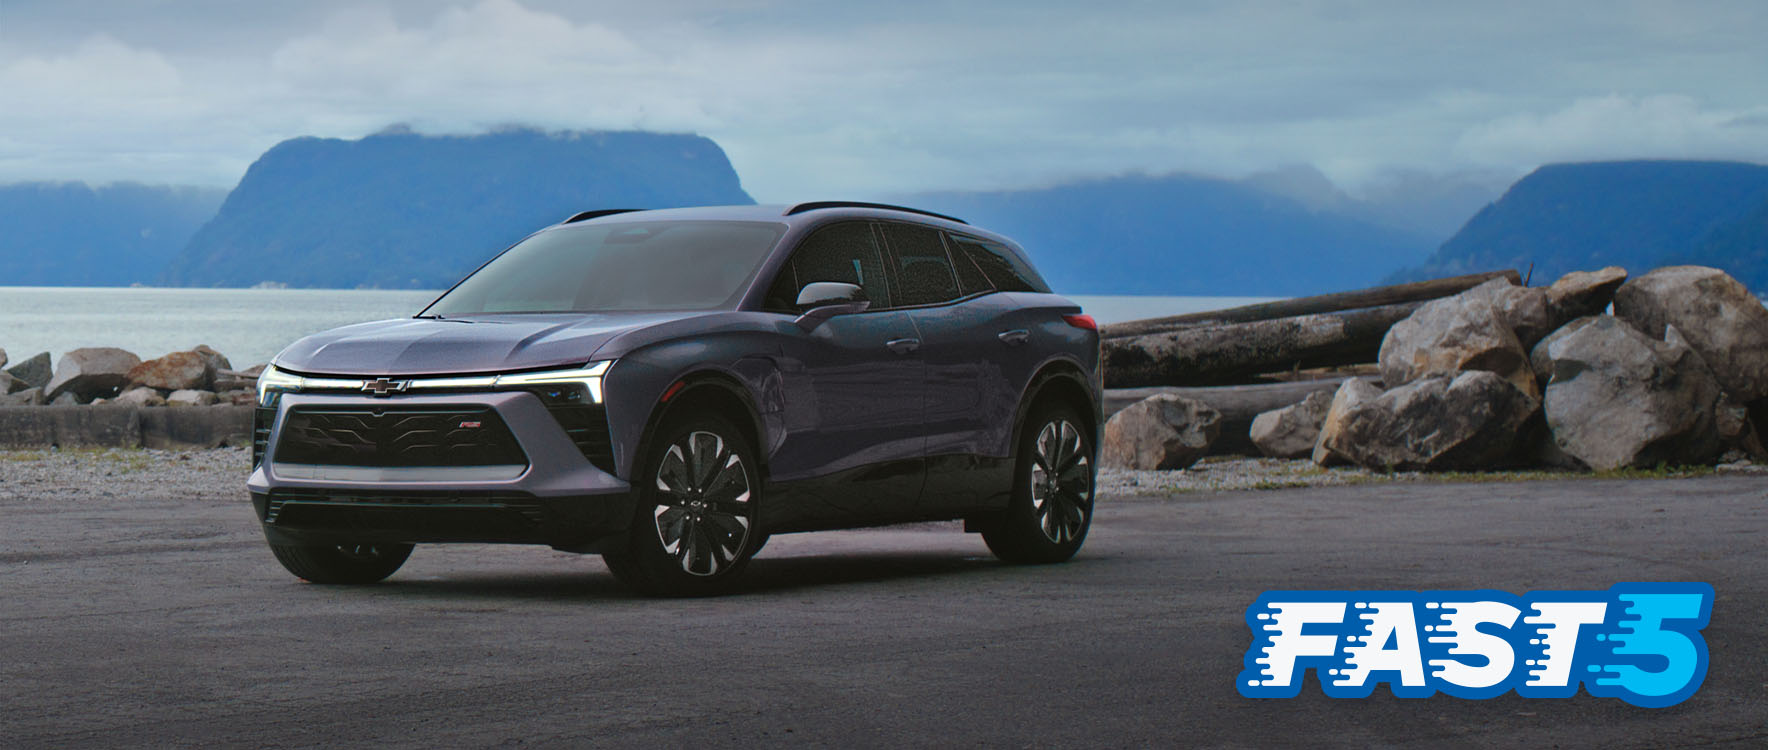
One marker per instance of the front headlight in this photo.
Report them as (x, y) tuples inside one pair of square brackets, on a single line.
[(588, 376), (272, 380)]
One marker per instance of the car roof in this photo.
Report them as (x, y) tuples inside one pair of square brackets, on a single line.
[(794, 215)]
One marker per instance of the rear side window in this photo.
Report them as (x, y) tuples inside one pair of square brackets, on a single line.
[(1002, 266), (846, 252), (971, 279), (924, 270)]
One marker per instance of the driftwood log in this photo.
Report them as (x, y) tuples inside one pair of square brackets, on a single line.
[(1233, 352), (1417, 291), (1238, 404)]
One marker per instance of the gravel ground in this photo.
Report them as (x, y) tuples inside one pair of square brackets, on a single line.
[(33, 476)]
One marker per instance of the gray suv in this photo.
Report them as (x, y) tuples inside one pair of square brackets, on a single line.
[(668, 388)]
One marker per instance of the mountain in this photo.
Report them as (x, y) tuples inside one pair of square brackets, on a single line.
[(401, 210), (1429, 205), (1185, 235), (71, 234), (1635, 214)]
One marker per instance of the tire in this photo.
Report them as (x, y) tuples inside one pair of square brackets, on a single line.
[(693, 531), (1052, 503), (342, 563)]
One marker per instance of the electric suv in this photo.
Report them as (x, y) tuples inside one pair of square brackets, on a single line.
[(668, 388)]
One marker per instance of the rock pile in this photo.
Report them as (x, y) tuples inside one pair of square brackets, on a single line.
[(103, 375), (1502, 375)]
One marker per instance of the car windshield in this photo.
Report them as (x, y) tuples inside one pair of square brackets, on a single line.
[(657, 265)]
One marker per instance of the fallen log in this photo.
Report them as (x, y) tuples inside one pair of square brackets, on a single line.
[(1417, 291), (1228, 353), (1238, 404)]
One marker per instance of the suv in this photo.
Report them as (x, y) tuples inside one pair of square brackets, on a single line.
[(668, 388)]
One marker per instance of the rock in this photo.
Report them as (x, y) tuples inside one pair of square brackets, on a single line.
[(1290, 432), (2, 357), (1525, 310), (26, 397), (1441, 422), (1721, 320), (1620, 398), (67, 398), (34, 371), (1454, 334), (1582, 293), (1160, 432), (1538, 359), (91, 373), (8, 383), (141, 397), (190, 397), (254, 371), (216, 359), (1349, 398), (174, 372), (238, 397)]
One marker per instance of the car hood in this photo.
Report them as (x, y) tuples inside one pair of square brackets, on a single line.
[(472, 344)]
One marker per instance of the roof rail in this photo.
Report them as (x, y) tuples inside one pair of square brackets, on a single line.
[(802, 207), (587, 215)]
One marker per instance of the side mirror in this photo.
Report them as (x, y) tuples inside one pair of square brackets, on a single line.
[(821, 300)]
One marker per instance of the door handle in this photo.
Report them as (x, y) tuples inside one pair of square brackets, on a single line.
[(903, 346), (1014, 337)]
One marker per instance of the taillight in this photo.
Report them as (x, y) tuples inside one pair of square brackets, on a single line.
[(1082, 321)]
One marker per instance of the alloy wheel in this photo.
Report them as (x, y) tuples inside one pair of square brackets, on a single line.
[(1061, 482), (702, 516)]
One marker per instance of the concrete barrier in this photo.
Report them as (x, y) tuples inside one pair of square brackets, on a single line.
[(121, 426)]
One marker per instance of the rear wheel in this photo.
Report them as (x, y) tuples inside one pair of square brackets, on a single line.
[(1052, 505), (342, 563), (694, 531)]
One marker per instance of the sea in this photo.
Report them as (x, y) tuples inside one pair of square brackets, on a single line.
[(252, 325)]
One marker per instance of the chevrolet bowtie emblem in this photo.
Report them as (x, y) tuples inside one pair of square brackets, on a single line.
[(383, 386)]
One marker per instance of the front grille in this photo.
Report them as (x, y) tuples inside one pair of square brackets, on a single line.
[(397, 437), (587, 426)]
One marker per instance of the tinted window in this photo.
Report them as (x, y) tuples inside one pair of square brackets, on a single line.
[(1004, 268), (846, 252), (924, 270), (971, 279), (654, 265)]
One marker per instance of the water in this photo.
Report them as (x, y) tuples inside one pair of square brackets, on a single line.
[(251, 325)]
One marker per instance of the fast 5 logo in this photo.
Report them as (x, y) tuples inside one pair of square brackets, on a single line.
[(1639, 642)]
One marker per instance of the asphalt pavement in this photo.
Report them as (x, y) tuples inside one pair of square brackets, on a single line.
[(162, 622)]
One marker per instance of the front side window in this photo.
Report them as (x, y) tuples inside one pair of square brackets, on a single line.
[(923, 267), (846, 252), (630, 266)]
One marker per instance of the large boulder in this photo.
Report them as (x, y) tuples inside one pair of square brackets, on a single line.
[(175, 372), (34, 372), (1290, 432), (1459, 333), (26, 397), (216, 359), (1160, 432), (91, 373), (1525, 310), (1539, 361), (1582, 293), (141, 397), (1347, 400), (1621, 398), (8, 383), (1717, 316), (1436, 423)]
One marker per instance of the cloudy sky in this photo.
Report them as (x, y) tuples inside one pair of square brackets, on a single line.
[(819, 99)]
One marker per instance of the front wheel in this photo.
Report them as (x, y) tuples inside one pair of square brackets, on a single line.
[(1052, 505), (342, 563), (694, 530)]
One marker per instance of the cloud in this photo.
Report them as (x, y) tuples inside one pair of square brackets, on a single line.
[(1619, 127)]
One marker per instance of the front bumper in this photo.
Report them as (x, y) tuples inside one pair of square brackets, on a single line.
[(558, 497)]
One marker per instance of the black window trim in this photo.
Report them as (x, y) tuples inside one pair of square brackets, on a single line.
[(893, 265)]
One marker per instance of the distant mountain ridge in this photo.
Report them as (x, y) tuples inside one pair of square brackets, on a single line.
[(72, 234), (401, 210), (1635, 214), (1185, 235)]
